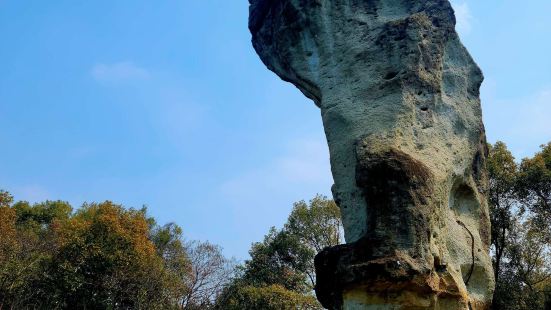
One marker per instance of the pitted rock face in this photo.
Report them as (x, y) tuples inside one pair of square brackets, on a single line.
[(399, 99)]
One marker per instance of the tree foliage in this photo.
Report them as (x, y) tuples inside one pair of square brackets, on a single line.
[(271, 297), (502, 197), (101, 256), (280, 273), (519, 199), (105, 259), (534, 184)]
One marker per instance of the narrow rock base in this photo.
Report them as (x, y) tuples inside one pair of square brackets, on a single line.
[(351, 276), (358, 299)]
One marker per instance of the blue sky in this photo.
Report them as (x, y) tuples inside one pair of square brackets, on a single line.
[(165, 103)]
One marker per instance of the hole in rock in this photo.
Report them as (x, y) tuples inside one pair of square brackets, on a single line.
[(463, 200), (391, 75)]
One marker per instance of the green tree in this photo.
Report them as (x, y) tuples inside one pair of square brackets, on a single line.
[(280, 273), (521, 247), (272, 297), (41, 214), (315, 226), (169, 245), (526, 273), (502, 171), (281, 259), (535, 185)]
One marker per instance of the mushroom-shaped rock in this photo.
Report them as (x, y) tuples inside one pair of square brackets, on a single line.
[(399, 99)]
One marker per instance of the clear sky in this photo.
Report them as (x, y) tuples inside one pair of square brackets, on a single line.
[(165, 103)]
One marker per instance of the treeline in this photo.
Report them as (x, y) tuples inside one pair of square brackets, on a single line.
[(101, 256), (104, 256)]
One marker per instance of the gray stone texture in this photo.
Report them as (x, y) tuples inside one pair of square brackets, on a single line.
[(399, 99)]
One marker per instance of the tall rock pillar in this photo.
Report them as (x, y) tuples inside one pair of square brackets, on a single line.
[(399, 99)]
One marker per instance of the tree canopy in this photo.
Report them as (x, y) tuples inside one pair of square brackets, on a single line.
[(519, 198), (280, 273), (102, 256)]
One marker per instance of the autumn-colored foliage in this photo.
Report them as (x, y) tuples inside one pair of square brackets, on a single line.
[(105, 259), (101, 256)]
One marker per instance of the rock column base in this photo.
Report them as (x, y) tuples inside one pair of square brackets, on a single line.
[(351, 277)]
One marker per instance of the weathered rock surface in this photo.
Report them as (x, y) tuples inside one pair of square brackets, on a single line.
[(399, 98)]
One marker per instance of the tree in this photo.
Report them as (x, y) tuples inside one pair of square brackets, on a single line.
[(316, 226), (9, 249), (281, 259), (280, 273), (42, 214), (210, 274), (272, 297), (8, 218), (106, 260), (502, 171), (521, 247), (535, 185), (526, 273), (168, 242), (26, 248)]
